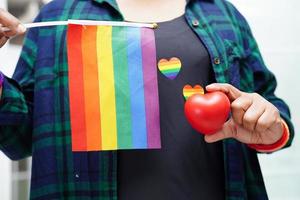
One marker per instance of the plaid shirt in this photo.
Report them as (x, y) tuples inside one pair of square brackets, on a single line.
[(34, 110)]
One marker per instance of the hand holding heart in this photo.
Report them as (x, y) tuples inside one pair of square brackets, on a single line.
[(254, 120)]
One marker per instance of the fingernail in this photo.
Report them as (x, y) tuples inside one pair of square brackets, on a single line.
[(207, 139), (209, 87), (21, 28)]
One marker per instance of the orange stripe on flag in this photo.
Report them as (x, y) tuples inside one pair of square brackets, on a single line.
[(76, 89), (91, 88)]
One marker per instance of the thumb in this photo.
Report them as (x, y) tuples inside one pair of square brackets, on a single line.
[(231, 92), (228, 130)]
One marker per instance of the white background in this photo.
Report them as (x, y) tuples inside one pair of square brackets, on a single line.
[(276, 26)]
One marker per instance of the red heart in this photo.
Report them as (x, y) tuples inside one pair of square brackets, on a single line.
[(207, 113)]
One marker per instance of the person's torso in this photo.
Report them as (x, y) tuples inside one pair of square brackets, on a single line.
[(93, 174)]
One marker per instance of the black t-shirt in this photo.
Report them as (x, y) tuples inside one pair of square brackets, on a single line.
[(186, 168)]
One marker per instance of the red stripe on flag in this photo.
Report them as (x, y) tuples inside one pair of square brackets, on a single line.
[(76, 91)]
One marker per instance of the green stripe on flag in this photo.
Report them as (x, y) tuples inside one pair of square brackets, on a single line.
[(122, 87)]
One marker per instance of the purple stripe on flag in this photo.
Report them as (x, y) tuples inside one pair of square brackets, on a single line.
[(150, 87)]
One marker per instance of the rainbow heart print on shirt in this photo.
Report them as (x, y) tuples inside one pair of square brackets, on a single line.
[(189, 90), (169, 68), (113, 88)]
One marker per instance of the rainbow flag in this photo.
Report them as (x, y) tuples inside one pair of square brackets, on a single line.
[(113, 88)]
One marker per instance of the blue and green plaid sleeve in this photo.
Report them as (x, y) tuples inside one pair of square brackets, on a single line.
[(17, 104), (256, 74)]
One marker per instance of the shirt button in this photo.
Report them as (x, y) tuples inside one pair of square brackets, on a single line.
[(217, 61), (195, 23)]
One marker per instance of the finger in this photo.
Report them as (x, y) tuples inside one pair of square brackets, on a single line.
[(11, 33), (1, 30), (252, 115), (266, 120), (232, 92), (239, 108), (228, 131), (3, 40), (9, 21)]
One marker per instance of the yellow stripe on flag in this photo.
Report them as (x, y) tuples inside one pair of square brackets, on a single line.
[(107, 89)]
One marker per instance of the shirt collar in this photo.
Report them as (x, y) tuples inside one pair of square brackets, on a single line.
[(115, 5), (111, 2), (114, 1)]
